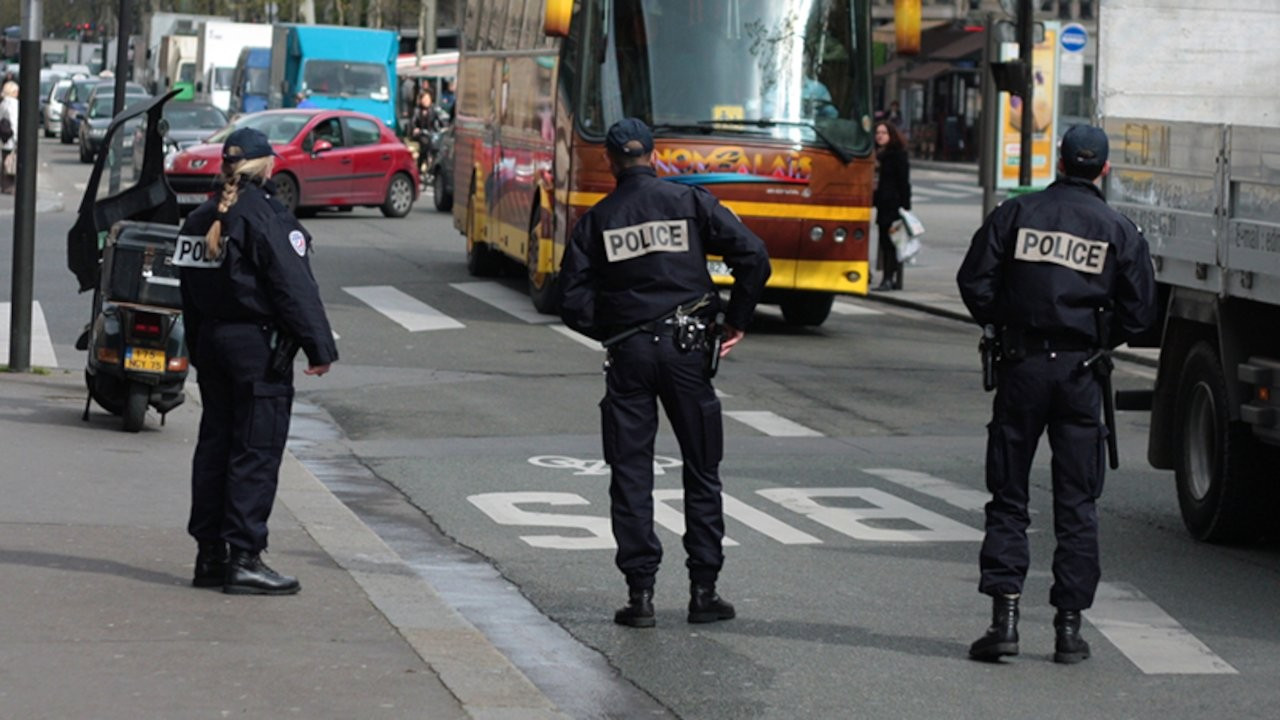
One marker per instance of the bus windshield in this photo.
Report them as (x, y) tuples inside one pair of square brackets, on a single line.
[(787, 69)]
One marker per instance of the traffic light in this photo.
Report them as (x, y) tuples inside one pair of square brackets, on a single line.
[(906, 27), (1010, 77)]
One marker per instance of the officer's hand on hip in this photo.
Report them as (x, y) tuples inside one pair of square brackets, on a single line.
[(317, 369), (732, 336)]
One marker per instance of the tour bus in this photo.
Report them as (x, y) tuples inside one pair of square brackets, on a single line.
[(766, 104)]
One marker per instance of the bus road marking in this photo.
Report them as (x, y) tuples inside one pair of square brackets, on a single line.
[(848, 308), (409, 312), (951, 493), (1149, 636), (865, 523), (772, 424), (508, 300), (577, 337)]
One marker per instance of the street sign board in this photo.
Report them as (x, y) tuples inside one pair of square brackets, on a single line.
[(1074, 37)]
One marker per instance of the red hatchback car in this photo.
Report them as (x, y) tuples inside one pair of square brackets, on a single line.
[(328, 158)]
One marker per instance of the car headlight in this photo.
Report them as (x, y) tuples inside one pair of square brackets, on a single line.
[(97, 132), (169, 157)]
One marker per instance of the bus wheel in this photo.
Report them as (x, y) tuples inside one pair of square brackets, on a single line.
[(1216, 474), (482, 261), (807, 308), (542, 286)]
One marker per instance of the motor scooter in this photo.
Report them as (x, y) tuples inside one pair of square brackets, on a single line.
[(122, 247)]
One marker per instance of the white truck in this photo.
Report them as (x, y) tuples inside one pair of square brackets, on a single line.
[(219, 45), (154, 27), (1187, 96), (177, 65)]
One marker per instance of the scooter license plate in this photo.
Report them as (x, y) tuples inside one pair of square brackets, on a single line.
[(144, 359)]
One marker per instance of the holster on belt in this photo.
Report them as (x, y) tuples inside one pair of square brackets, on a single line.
[(284, 347)]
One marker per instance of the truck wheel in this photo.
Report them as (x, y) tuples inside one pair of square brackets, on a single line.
[(1215, 473), (542, 286), (135, 406), (807, 308)]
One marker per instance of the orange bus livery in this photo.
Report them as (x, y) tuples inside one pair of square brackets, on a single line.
[(766, 103)]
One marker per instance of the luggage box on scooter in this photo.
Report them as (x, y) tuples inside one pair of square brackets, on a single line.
[(137, 264)]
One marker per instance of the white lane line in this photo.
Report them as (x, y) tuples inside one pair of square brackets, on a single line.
[(1137, 627), (772, 424), (951, 493), (577, 337), (1149, 636), (411, 313), (42, 354), (848, 308), (510, 301)]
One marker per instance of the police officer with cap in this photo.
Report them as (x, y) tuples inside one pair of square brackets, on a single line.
[(1064, 277), (249, 302), (635, 277)]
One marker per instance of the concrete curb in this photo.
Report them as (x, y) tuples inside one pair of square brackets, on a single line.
[(487, 684)]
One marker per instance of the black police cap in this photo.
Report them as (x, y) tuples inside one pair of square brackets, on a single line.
[(1084, 148), (246, 144), (629, 136)]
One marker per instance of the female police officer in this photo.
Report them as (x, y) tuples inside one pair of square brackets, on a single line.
[(249, 300)]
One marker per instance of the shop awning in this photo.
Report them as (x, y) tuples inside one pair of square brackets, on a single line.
[(965, 47), (925, 72), (891, 67)]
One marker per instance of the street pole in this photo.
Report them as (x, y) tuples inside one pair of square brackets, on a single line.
[(24, 213), (426, 28), (122, 57), (1026, 47), (987, 170)]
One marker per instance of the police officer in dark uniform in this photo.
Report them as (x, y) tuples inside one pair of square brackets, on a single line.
[(1063, 276), (635, 276), (249, 302)]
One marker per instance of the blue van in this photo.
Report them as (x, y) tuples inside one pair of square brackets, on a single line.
[(329, 66), (250, 81)]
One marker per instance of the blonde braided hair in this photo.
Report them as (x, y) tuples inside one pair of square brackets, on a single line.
[(235, 173)]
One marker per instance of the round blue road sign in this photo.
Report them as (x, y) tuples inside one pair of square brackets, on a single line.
[(1074, 37)]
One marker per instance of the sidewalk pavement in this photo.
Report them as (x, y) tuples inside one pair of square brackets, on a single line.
[(98, 618)]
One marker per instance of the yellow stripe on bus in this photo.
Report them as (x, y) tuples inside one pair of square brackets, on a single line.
[(794, 211)]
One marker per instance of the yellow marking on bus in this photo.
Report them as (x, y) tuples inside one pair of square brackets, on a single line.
[(745, 208)]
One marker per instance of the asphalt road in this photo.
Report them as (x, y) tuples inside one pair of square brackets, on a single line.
[(854, 464)]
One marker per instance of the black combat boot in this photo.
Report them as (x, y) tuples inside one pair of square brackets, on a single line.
[(638, 612), (248, 575), (1002, 637), (211, 565), (1068, 647), (706, 606)]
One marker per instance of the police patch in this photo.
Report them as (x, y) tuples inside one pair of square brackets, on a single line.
[(1082, 254), (192, 251), (299, 242), (657, 236)]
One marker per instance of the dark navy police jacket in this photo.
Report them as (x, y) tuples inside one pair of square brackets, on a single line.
[(641, 251), (263, 275), (1045, 262)]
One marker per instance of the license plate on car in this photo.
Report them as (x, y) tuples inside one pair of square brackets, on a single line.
[(718, 267), (191, 198), (144, 359)]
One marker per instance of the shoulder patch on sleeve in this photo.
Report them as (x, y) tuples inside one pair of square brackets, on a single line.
[(299, 242)]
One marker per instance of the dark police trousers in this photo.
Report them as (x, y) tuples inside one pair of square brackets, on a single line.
[(1045, 389), (640, 372), (243, 430)]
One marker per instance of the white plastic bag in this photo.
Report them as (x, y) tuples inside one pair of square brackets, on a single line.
[(915, 228), (906, 244)]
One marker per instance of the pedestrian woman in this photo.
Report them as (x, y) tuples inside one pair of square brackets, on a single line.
[(8, 136), (249, 302), (893, 193)]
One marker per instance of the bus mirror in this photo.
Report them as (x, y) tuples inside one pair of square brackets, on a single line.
[(557, 17), (906, 27)]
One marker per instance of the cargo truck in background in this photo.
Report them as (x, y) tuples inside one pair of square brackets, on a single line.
[(1188, 101), (250, 81), (345, 68), (176, 68), (218, 48)]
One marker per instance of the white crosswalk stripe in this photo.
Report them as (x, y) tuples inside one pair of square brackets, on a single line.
[(42, 354), (509, 300), (772, 424), (409, 312), (1140, 629), (852, 308), (936, 192)]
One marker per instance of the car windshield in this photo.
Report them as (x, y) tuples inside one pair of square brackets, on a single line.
[(101, 108), (60, 90), (280, 128), (345, 79), (222, 78), (259, 80), (82, 88), (184, 116)]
